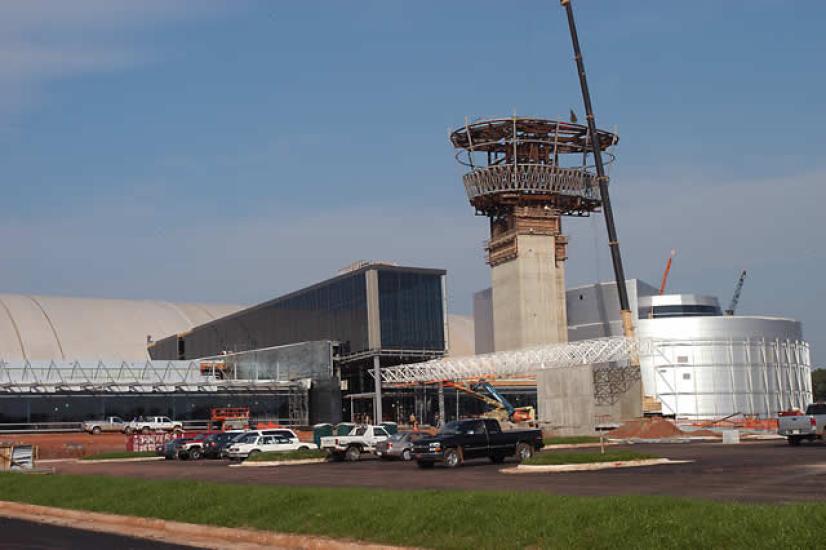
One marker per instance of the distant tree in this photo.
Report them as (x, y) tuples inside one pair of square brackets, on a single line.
[(819, 384)]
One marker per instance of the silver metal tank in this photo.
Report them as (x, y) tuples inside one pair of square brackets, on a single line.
[(705, 367)]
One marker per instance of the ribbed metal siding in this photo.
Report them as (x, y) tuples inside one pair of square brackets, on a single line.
[(710, 367)]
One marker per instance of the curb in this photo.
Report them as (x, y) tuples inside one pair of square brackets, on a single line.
[(105, 460), (591, 466), (174, 532), (578, 445), (263, 463)]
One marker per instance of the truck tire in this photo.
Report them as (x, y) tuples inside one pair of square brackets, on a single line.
[(177, 430), (407, 455), (146, 430), (424, 465), (128, 431), (195, 453), (523, 452), (352, 454), (453, 457), (96, 430), (794, 441), (303, 448)]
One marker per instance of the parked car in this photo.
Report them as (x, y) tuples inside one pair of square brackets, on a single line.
[(193, 448), (109, 424), (215, 444), (797, 426), (350, 447), (280, 432), (152, 424), (460, 440), (252, 444), (399, 445), (173, 448)]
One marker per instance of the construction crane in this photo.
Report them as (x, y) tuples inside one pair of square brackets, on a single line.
[(663, 282), (608, 212), (732, 307), (666, 272), (502, 409)]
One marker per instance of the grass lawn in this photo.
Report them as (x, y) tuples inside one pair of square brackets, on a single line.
[(286, 456), (556, 457), (570, 440), (119, 454), (438, 519)]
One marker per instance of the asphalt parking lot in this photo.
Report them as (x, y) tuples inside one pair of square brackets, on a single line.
[(766, 471)]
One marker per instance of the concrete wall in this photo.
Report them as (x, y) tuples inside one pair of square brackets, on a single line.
[(565, 400), (483, 321), (528, 307)]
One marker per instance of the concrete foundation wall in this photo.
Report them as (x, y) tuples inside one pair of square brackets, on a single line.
[(565, 400)]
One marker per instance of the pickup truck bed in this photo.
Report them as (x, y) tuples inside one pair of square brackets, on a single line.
[(797, 427)]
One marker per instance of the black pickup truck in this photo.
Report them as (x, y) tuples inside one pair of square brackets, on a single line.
[(475, 438)]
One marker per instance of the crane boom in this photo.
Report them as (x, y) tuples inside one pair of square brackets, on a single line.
[(666, 272), (735, 299), (608, 212)]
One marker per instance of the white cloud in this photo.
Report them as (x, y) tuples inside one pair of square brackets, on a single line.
[(44, 40)]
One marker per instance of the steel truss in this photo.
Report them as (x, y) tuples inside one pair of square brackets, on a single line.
[(33, 377), (614, 350)]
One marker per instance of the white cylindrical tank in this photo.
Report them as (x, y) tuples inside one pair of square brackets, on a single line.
[(715, 366)]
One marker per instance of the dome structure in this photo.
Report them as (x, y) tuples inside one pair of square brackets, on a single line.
[(37, 328)]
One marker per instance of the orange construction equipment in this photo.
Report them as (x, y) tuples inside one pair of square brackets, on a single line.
[(666, 272), (223, 414), (213, 368), (231, 418)]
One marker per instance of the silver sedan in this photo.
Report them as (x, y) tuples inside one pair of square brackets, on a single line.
[(399, 445)]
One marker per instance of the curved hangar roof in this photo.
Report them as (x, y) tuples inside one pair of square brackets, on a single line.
[(51, 327)]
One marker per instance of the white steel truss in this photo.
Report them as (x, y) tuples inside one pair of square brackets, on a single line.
[(519, 362), (26, 377)]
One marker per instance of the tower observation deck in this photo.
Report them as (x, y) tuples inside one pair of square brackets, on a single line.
[(524, 174)]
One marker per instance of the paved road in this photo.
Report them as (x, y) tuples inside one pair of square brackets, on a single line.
[(17, 534), (756, 471)]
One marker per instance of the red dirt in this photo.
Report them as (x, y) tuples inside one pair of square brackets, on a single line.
[(647, 428), (704, 433), (69, 445)]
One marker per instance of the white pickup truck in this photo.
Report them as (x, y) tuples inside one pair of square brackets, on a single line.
[(108, 424), (361, 439), (149, 424), (796, 426)]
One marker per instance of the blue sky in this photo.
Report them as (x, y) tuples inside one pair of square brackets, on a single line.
[(232, 151)]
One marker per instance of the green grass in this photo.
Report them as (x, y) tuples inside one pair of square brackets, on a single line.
[(570, 440), (438, 519), (556, 457), (119, 454), (286, 456)]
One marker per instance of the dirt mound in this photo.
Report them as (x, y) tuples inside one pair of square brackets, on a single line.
[(647, 428)]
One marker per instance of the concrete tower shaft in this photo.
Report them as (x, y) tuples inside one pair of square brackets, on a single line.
[(524, 175)]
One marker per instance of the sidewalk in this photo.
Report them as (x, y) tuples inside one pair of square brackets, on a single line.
[(189, 534)]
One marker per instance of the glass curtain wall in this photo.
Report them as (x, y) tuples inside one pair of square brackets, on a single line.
[(411, 309)]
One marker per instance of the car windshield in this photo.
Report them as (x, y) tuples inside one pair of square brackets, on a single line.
[(239, 437), (361, 430)]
